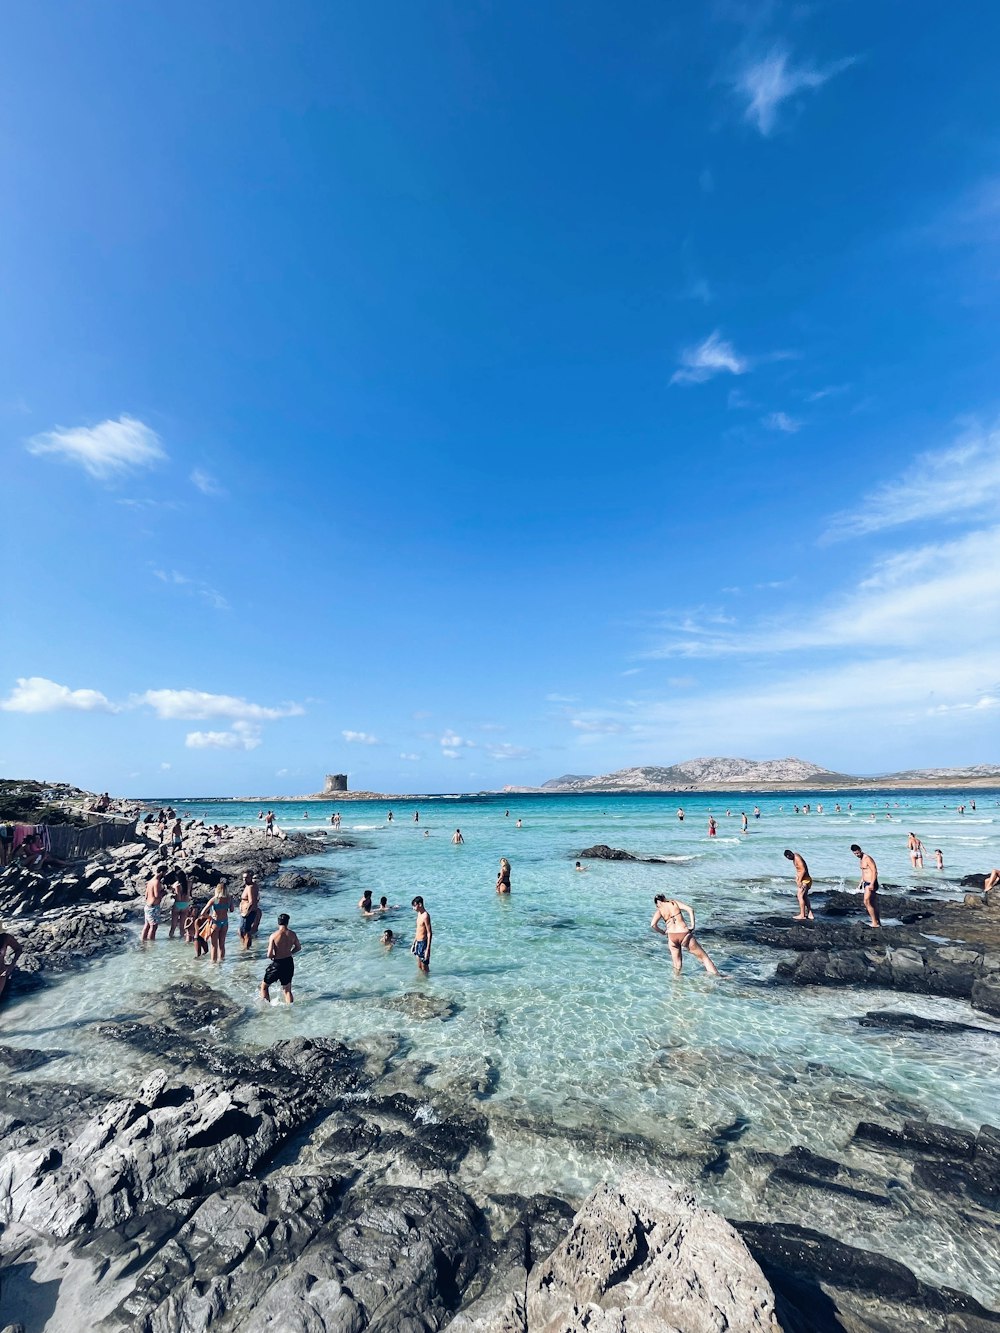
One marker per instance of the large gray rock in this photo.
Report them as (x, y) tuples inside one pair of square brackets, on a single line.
[(642, 1256)]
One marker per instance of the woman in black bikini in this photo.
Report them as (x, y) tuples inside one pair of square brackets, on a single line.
[(668, 920)]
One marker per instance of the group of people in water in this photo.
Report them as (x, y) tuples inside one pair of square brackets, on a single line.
[(206, 927)]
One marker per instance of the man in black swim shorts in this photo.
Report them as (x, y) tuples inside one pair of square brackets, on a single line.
[(280, 969)]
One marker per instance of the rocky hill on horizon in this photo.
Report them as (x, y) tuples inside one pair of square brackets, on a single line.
[(723, 771)]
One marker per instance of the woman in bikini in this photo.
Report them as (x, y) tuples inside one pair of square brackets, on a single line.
[(668, 919), (182, 904), (219, 907)]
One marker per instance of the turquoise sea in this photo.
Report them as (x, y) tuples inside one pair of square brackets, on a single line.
[(567, 1014)]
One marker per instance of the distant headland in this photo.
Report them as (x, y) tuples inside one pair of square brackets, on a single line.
[(692, 775)]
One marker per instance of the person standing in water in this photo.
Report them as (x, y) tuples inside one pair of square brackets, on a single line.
[(803, 883), (680, 816), (711, 826), (281, 968), (668, 920), (869, 885), (155, 893), (503, 876), (457, 838), (743, 821), (916, 851), (421, 947), (249, 909)]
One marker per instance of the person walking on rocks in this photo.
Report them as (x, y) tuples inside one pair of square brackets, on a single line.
[(269, 824), (803, 883), (421, 947), (281, 967), (869, 885), (155, 892), (250, 912), (668, 920), (176, 836)]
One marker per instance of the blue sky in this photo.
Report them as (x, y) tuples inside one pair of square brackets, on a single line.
[(461, 394)]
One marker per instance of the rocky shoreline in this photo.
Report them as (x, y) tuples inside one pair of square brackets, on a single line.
[(314, 1187)]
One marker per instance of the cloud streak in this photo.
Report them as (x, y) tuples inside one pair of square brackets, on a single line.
[(714, 356), (197, 705), (243, 736), (766, 83), (105, 451), (960, 481)]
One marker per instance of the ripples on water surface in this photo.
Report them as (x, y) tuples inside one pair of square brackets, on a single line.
[(569, 1000)]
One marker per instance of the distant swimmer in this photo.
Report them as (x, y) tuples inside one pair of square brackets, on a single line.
[(427, 833), (280, 947), (580, 867), (680, 815), (389, 817), (457, 838), (939, 859), (421, 946), (743, 822), (916, 851), (416, 816), (366, 901), (803, 883), (388, 938), (519, 824), (756, 812), (503, 876), (711, 826), (869, 885), (506, 814), (668, 920)]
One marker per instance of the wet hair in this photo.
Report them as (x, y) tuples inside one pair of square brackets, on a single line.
[(660, 898), (387, 937), (790, 855), (855, 847), (283, 919), (417, 901), (383, 901), (366, 893)]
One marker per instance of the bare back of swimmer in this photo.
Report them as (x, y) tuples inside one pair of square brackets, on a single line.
[(668, 919)]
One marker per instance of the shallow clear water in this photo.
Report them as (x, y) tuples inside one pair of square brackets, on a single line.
[(567, 996)]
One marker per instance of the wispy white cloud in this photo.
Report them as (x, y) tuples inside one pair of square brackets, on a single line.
[(830, 391), (507, 751), (562, 698), (195, 705), (360, 738), (410, 758), (104, 451), (947, 592), (781, 421), (957, 482), (455, 742), (597, 726), (206, 483), (242, 736), (36, 694), (765, 83), (196, 587), (449, 754), (714, 356)]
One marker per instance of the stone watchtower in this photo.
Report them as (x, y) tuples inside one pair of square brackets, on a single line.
[(335, 782)]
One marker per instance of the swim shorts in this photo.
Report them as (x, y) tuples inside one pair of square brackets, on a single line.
[(152, 915), (419, 948), (279, 972)]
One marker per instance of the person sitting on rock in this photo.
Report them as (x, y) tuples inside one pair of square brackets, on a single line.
[(8, 945), (991, 881)]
